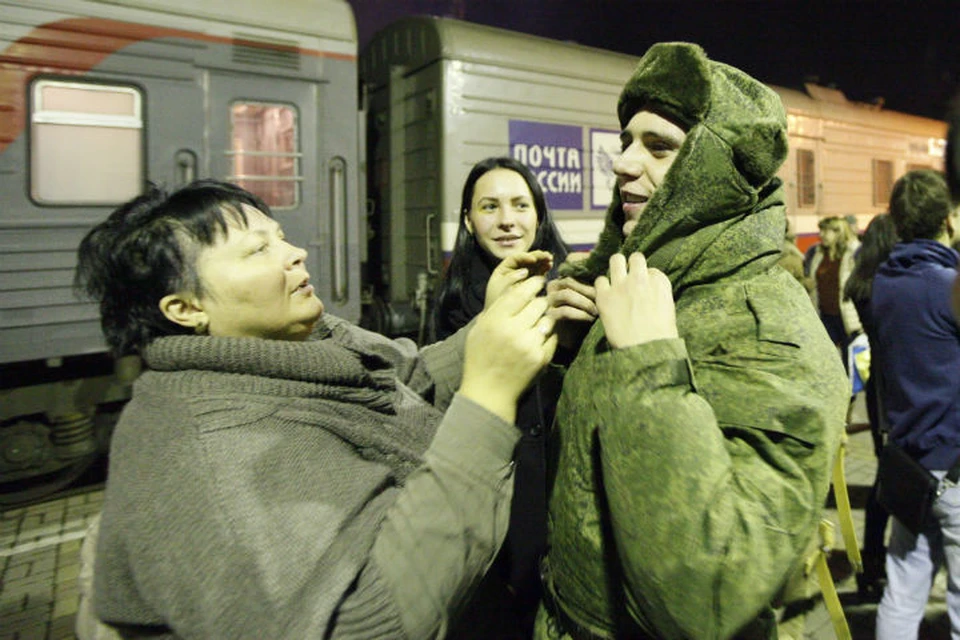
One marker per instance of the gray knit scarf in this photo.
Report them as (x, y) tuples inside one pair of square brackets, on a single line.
[(341, 379)]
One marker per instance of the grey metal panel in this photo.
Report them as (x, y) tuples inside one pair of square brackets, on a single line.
[(480, 101), (338, 142), (329, 19), (15, 262), (74, 335), (412, 148), (328, 136), (417, 41), (28, 238), (38, 297), (33, 278)]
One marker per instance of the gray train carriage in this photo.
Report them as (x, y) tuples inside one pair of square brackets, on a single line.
[(97, 97), (443, 94)]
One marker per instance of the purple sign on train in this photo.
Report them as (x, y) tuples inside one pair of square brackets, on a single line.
[(554, 154)]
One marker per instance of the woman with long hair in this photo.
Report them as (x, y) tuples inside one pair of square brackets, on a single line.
[(878, 240), (503, 212), (830, 267)]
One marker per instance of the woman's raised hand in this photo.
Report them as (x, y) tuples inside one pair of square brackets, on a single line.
[(514, 269), (508, 345), (572, 306)]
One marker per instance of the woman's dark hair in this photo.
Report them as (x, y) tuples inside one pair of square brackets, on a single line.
[(919, 204), (875, 247), (147, 249), (466, 248)]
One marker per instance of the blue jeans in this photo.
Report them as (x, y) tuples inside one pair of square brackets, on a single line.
[(912, 564)]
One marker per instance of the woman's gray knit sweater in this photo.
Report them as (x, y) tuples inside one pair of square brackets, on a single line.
[(267, 489)]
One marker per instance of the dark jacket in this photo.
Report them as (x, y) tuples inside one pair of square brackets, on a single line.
[(691, 473), (518, 563), (918, 337)]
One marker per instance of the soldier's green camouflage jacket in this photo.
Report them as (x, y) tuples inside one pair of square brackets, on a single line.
[(691, 473)]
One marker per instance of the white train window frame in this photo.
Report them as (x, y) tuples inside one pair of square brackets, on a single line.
[(86, 142), (279, 175)]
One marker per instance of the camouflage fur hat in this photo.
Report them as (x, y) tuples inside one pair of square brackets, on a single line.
[(736, 141), (678, 79)]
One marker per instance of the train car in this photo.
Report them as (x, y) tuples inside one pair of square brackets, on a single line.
[(443, 94), (98, 97)]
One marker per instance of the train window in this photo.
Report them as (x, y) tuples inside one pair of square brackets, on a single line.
[(86, 143), (882, 182), (806, 179), (266, 157)]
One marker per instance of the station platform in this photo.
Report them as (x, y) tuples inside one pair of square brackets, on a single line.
[(40, 551)]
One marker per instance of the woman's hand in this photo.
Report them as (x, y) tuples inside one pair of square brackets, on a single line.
[(514, 269), (572, 305), (510, 342), (635, 303)]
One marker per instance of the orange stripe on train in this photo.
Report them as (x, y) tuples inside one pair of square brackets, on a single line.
[(76, 45)]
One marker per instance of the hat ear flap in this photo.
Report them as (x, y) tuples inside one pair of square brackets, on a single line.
[(759, 155), (749, 117)]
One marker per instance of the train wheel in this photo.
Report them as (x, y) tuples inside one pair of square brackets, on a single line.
[(39, 488)]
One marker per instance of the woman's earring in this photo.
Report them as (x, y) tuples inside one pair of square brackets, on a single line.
[(201, 328)]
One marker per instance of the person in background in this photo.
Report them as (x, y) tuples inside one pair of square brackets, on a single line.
[(952, 167), (808, 258), (279, 472), (701, 416), (878, 240), (854, 225), (791, 258), (919, 343), (503, 212), (952, 154), (831, 265)]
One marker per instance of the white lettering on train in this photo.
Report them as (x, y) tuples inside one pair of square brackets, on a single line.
[(561, 172)]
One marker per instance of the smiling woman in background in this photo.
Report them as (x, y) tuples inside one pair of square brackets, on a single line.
[(502, 213)]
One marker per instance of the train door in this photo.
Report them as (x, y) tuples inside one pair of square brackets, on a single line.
[(265, 134)]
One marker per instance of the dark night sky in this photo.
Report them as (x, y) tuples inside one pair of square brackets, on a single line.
[(906, 52)]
